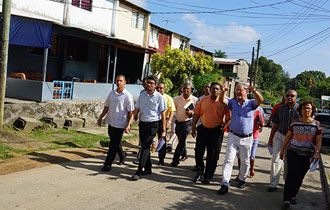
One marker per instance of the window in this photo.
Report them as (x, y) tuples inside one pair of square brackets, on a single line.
[(138, 20), (153, 40), (77, 49), (83, 4), (53, 50), (183, 44)]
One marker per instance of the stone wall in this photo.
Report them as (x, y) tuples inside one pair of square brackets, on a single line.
[(60, 109)]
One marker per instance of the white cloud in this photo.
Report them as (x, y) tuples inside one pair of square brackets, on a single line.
[(210, 35)]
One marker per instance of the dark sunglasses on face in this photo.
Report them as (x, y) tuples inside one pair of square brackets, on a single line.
[(207, 86)]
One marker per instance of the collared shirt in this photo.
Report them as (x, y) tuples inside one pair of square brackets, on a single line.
[(180, 102), (150, 106), (119, 105), (242, 116), (211, 112), (170, 105), (284, 116)]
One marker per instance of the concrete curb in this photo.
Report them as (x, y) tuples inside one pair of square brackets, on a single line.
[(324, 181)]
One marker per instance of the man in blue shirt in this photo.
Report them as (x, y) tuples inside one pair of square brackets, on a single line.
[(151, 105), (240, 135)]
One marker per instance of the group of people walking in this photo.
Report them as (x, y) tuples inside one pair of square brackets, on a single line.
[(295, 136)]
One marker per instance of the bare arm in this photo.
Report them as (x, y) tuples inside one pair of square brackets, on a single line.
[(318, 146), (285, 142), (226, 124), (272, 133), (257, 95), (163, 118), (169, 121), (194, 122), (104, 112), (222, 95), (136, 113), (130, 117)]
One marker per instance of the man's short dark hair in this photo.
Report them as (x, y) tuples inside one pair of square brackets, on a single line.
[(153, 78), (216, 83), (121, 75)]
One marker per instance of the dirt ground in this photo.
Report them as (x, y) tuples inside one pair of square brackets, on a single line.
[(21, 162)]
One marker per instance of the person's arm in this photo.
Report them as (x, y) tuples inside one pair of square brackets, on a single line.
[(272, 133), (163, 118), (136, 113), (194, 122), (104, 112), (130, 117), (285, 142), (169, 121), (318, 146), (227, 118), (222, 94), (257, 95)]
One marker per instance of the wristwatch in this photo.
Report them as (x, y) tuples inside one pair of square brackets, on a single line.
[(318, 151)]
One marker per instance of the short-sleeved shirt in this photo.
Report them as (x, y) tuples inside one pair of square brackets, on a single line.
[(242, 116), (170, 105), (284, 116), (119, 105), (304, 134), (211, 112), (150, 106), (258, 116), (275, 108), (180, 102)]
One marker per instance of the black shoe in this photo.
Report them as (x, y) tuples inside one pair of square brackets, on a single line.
[(136, 162), (241, 184), (106, 168), (293, 201), (136, 177), (271, 189), (122, 161), (174, 164), (195, 168), (286, 206), (206, 180), (161, 163), (143, 173), (198, 177), (169, 149), (223, 190)]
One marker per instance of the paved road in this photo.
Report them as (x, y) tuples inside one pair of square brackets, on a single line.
[(81, 185)]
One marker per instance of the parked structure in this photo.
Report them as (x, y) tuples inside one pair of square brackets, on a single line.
[(73, 49), (234, 71)]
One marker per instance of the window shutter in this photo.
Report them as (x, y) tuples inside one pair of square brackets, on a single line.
[(75, 3), (86, 4)]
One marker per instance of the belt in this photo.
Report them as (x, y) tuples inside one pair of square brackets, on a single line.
[(239, 135)]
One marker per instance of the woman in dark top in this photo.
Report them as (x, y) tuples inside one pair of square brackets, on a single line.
[(303, 143)]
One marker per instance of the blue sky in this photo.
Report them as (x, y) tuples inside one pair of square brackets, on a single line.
[(293, 33)]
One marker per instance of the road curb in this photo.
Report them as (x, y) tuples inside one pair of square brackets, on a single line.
[(324, 181)]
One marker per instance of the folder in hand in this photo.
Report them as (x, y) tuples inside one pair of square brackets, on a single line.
[(161, 142), (314, 165)]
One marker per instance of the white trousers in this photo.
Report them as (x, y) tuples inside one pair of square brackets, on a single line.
[(277, 163), (243, 146)]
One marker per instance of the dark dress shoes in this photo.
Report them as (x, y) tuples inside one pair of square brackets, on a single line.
[(143, 173), (241, 184), (106, 168), (136, 177), (174, 164), (271, 189), (223, 190), (198, 177), (122, 161)]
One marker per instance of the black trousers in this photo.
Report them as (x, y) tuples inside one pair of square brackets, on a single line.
[(298, 166), (147, 132), (162, 151), (115, 135), (182, 130), (211, 138)]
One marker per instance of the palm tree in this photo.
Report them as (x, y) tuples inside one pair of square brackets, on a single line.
[(219, 54)]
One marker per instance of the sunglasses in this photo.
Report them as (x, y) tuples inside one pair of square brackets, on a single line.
[(207, 86), (307, 108), (292, 96)]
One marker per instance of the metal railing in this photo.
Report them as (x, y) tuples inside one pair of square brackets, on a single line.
[(62, 90)]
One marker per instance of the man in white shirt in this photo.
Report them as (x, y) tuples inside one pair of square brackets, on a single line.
[(118, 107)]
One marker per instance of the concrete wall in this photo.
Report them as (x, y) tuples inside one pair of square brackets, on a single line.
[(98, 19), (124, 29)]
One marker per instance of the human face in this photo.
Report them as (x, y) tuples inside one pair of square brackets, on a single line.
[(207, 88), (151, 85), (120, 82), (240, 92), (161, 88), (291, 97), (186, 91), (215, 91), (306, 110)]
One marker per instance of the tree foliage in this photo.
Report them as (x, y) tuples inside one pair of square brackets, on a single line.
[(176, 67), (219, 54)]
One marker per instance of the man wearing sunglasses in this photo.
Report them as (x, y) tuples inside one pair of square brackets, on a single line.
[(281, 120)]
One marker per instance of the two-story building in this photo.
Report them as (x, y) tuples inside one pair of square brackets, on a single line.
[(72, 49), (233, 71)]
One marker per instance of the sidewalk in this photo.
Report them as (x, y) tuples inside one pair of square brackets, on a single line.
[(81, 185)]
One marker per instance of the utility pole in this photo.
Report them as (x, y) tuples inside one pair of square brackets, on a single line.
[(257, 63), (251, 71), (5, 27)]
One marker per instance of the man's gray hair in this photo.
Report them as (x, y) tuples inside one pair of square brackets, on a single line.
[(244, 85)]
